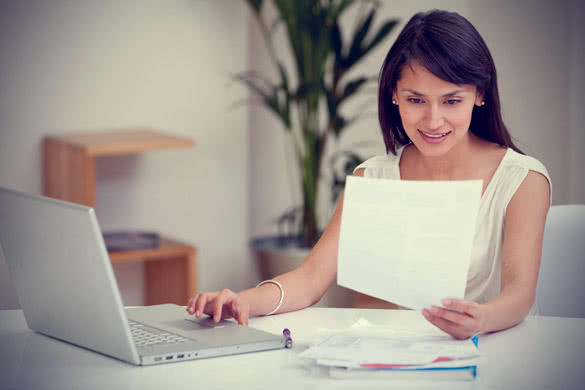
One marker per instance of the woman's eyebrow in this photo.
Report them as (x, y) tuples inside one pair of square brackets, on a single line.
[(453, 93)]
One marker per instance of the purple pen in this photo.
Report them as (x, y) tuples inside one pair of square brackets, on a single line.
[(289, 342)]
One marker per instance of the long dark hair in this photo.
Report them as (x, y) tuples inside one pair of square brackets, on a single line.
[(449, 47)]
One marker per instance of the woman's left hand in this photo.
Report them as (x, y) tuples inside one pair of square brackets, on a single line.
[(466, 322)]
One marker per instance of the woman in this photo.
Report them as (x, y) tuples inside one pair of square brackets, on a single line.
[(439, 111)]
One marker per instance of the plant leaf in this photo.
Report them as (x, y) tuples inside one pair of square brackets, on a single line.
[(339, 123), (255, 4), (355, 50), (353, 86), (382, 33), (271, 96), (350, 161), (336, 40)]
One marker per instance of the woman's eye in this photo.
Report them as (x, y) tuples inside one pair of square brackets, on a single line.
[(453, 101), (415, 100)]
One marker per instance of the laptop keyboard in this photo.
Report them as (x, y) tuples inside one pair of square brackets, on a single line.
[(145, 335)]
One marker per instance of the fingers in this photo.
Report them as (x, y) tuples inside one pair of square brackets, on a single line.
[(241, 312), (191, 304), (468, 307), (443, 324), (219, 305), (226, 296), (462, 319), (199, 304), (453, 328)]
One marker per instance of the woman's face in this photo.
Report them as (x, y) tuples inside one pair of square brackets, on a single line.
[(435, 113)]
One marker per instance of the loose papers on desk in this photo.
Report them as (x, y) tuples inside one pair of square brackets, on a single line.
[(370, 351), (407, 242)]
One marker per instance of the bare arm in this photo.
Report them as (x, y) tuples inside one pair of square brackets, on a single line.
[(523, 235), (303, 286)]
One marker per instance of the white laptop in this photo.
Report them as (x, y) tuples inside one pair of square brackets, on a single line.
[(67, 289)]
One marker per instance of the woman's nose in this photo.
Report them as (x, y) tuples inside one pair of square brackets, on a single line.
[(434, 117)]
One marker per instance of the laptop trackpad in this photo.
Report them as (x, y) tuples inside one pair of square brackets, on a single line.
[(188, 324), (206, 323)]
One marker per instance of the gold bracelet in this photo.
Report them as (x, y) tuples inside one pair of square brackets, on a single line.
[(281, 294)]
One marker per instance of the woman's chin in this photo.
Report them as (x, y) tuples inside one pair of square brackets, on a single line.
[(432, 150)]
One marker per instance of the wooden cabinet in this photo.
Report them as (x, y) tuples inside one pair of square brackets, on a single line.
[(70, 174)]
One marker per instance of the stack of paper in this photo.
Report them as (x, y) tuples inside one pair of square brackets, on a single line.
[(373, 352)]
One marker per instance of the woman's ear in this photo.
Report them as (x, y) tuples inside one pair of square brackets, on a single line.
[(479, 98)]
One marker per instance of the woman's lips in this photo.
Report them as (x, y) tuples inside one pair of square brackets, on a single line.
[(434, 138)]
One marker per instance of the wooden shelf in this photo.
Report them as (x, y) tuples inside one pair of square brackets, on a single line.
[(69, 174), (69, 159), (166, 248), (170, 270), (100, 144)]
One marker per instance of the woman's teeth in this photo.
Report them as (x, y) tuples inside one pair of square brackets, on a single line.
[(434, 135)]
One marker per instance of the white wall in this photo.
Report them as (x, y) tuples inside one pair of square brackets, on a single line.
[(79, 66), (70, 66), (538, 50), (535, 53), (576, 174)]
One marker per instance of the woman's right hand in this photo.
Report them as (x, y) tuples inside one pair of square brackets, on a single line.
[(220, 305)]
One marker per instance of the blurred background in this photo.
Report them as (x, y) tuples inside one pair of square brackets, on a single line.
[(80, 66)]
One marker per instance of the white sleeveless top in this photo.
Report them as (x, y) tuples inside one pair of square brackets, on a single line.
[(483, 280)]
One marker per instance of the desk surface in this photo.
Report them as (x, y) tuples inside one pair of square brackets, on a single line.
[(540, 353)]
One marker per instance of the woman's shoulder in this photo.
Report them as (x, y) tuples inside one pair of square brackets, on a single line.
[(514, 159), (522, 170), (386, 161)]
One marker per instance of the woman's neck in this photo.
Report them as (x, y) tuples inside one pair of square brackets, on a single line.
[(453, 164)]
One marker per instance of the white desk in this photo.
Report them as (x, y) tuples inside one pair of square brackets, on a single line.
[(540, 353)]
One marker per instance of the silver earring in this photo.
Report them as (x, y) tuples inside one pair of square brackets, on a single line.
[(482, 103), (394, 101)]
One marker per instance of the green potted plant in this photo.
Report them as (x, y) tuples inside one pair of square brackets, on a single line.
[(322, 61)]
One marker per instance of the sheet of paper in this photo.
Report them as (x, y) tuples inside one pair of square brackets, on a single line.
[(407, 242)]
